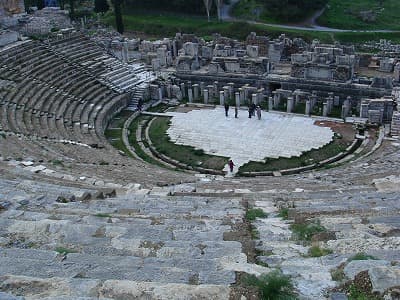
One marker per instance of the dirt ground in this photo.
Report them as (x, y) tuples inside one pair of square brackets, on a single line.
[(347, 131)]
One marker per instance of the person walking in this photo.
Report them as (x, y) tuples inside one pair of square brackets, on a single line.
[(253, 110), (258, 112), (140, 105), (231, 165), (236, 112), (226, 109), (250, 112)]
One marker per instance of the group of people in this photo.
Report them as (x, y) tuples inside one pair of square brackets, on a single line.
[(253, 110)]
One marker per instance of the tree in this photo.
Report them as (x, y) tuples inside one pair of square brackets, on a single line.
[(207, 4), (118, 15), (101, 6), (219, 4), (72, 8)]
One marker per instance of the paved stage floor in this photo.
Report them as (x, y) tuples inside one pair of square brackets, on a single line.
[(243, 139)]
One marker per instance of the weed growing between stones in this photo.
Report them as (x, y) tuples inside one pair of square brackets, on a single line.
[(305, 231), (254, 213), (361, 256), (338, 274), (283, 213), (57, 162), (316, 251), (63, 250), (273, 285)]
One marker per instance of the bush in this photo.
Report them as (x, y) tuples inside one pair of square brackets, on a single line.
[(273, 285), (254, 213)]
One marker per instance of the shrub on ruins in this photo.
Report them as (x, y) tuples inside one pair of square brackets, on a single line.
[(273, 285), (254, 213)]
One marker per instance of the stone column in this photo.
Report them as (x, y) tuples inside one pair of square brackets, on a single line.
[(241, 93), (226, 92), (336, 101), (231, 86), (290, 103), (211, 92), (345, 109), (313, 100), (216, 86), (325, 109), (364, 110), (190, 95), (202, 86), (169, 91), (270, 103), (330, 104), (221, 98), (276, 100), (297, 99), (205, 95), (160, 96), (237, 99), (196, 92), (308, 107), (183, 89), (254, 99)]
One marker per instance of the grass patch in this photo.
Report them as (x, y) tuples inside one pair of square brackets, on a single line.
[(158, 108), (134, 143), (283, 213), (103, 215), (305, 231), (114, 132), (362, 256), (273, 285), (63, 250), (185, 154), (307, 158), (316, 251), (346, 14), (168, 25), (254, 213)]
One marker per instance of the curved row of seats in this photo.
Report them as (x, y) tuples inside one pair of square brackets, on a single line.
[(53, 99)]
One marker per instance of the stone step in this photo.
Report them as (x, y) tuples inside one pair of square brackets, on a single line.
[(63, 288), (23, 262)]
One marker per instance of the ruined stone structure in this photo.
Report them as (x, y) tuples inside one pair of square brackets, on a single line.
[(81, 219), (11, 7), (324, 63)]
